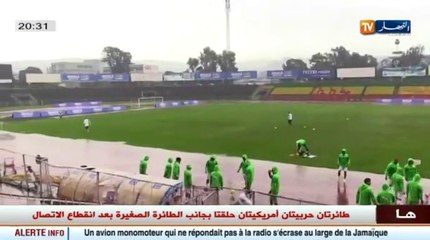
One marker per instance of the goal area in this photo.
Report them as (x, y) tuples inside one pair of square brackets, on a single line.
[(143, 102)]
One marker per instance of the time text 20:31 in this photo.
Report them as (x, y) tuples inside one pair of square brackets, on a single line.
[(35, 25)]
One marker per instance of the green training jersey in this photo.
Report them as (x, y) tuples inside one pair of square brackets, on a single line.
[(244, 165), (391, 169), (414, 193), (210, 165), (343, 160), (188, 179), (216, 180), (275, 184), (176, 170), (398, 182), (249, 173), (365, 195), (168, 170), (143, 167), (410, 171), (386, 197)]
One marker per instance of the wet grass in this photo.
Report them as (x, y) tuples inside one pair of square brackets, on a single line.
[(373, 135)]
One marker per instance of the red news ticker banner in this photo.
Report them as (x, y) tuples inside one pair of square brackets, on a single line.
[(416, 214), (47, 215)]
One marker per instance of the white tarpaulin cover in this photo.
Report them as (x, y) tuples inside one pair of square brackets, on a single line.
[(113, 187)]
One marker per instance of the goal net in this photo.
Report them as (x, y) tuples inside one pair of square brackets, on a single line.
[(143, 102)]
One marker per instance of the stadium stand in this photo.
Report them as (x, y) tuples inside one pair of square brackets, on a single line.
[(337, 93), (5, 100), (351, 90), (373, 92), (290, 93), (262, 91), (320, 92), (130, 93), (414, 91)]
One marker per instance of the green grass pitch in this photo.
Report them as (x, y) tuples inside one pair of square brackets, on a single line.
[(373, 135)]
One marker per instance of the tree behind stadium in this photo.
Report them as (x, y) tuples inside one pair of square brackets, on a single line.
[(118, 60), (210, 61), (340, 57), (227, 61), (412, 57), (294, 64)]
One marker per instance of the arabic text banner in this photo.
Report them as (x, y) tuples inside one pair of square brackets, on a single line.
[(217, 232), (159, 215), (393, 26), (123, 215)]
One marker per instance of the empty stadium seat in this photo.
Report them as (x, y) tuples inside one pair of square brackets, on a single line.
[(337, 93), (338, 90), (292, 91), (414, 91), (376, 92), (379, 90)]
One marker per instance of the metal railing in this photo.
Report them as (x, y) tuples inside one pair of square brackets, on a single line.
[(13, 199), (228, 196)]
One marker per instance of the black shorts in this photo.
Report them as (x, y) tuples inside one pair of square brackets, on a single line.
[(86, 127)]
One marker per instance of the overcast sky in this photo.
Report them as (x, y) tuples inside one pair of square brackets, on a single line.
[(177, 29)]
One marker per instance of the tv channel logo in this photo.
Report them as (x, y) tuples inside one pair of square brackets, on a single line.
[(368, 27)]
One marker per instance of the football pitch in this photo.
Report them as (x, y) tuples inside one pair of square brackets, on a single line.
[(372, 134)]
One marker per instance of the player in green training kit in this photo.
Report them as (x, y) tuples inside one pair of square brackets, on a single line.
[(302, 148), (168, 169), (365, 195), (177, 168), (410, 170), (249, 173), (415, 191), (274, 185), (143, 165), (398, 182), (188, 181), (343, 162), (210, 167), (217, 180), (386, 196), (391, 169), (243, 165)]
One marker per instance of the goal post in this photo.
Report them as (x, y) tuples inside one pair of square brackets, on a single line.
[(148, 101)]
